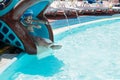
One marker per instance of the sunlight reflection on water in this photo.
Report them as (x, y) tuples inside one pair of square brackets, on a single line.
[(92, 55)]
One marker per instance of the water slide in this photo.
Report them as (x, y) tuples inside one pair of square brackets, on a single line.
[(13, 32)]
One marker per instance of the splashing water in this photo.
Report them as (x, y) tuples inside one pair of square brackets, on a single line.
[(94, 55), (1, 0), (43, 52)]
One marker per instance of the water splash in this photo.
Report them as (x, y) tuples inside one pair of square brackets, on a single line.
[(43, 52)]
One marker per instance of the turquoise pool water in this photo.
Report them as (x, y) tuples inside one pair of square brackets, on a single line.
[(81, 19), (89, 52)]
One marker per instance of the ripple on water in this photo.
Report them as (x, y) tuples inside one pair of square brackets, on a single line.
[(93, 54)]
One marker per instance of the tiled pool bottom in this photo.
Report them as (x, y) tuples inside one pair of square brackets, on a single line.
[(88, 54)]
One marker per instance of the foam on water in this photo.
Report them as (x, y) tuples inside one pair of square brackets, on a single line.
[(93, 54), (1, 0), (43, 52)]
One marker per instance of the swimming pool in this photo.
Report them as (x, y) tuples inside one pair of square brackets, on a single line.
[(90, 52), (73, 21)]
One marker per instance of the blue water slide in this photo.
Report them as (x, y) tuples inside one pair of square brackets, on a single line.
[(11, 29), (37, 9), (6, 6)]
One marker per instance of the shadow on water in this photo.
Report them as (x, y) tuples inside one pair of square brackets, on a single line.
[(31, 65), (45, 67)]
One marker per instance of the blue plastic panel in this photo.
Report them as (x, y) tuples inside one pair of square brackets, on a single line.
[(9, 7), (8, 36)]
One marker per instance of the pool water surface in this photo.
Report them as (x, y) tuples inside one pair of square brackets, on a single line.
[(90, 52)]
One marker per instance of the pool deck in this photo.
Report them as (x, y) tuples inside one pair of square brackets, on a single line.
[(60, 9), (7, 59)]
